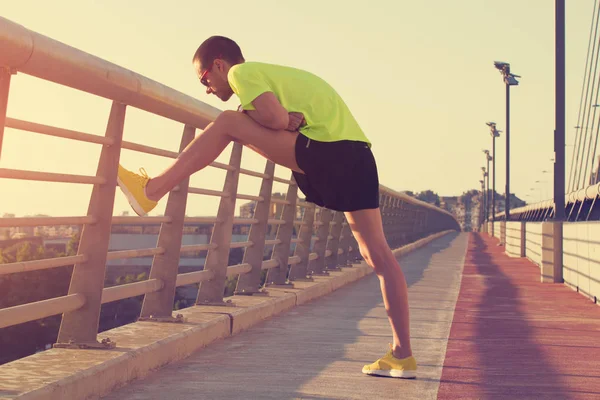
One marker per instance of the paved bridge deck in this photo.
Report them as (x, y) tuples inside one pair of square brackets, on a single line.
[(501, 334)]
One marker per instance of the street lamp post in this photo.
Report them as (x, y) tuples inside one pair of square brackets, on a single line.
[(509, 80), (485, 196), (481, 205), (487, 190), (494, 133)]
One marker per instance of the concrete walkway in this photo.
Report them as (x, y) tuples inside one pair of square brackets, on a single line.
[(514, 337), (317, 350)]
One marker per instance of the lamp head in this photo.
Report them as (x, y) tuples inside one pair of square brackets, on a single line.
[(502, 66)]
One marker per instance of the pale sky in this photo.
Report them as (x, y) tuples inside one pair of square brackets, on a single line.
[(417, 75)]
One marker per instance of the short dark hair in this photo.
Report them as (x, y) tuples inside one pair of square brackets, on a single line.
[(218, 47)]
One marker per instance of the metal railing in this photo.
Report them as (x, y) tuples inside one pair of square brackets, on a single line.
[(405, 219), (580, 205)]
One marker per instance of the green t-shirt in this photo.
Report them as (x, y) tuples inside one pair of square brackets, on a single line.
[(328, 118)]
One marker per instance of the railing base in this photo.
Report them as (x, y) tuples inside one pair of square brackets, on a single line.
[(105, 344), (261, 292), (178, 319), (227, 303), (281, 286), (303, 280), (320, 274)]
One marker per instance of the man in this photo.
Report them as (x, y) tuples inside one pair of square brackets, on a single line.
[(296, 120)]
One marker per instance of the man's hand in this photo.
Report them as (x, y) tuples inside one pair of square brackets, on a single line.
[(296, 121)]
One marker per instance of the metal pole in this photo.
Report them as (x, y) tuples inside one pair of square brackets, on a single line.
[(79, 328), (487, 191), (481, 207), (484, 197), (559, 132), (507, 190), (4, 89), (494, 177)]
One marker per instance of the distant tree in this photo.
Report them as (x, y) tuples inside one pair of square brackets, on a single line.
[(73, 245), (430, 197)]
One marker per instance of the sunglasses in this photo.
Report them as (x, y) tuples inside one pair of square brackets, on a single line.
[(203, 79)]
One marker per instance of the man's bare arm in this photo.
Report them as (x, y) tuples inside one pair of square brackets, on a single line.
[(271, 114)]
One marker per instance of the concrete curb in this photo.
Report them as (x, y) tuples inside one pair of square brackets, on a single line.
[(144, 347)]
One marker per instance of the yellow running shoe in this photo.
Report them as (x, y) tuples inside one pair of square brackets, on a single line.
[(134, 187), (389, 365)]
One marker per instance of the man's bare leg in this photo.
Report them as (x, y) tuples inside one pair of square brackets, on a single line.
[(367, 228), (277, 146)]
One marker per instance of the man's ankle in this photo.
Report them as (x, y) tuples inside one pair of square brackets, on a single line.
[(401, 353), (148, 192)]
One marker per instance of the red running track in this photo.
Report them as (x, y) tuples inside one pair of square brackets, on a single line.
[(513, 337)]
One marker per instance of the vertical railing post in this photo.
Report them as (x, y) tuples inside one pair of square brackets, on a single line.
[(79, 328), (317, 267), (399, 220), (5, 75), (393, 239), (249, 283), (158, 306), (211, 292), (331, 262), (299, 271), (345, 239), (281, 252), (354, 254), (385, 209)]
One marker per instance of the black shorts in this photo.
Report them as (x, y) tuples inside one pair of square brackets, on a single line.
[(340, 176)]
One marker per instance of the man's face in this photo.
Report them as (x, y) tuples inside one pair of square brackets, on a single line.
[(214, 78)]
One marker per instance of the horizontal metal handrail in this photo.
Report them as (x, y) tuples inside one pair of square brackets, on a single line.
[(275, 200), (25, 175), (56, 132), (191, 278), (135, 253), (237, 245), (270, 264), (249, 197), (40, 309), (239, 269), (45, 221), (411, 200), (37, 265), (208, 192), (245, 221), (190, 248), (282, 180), (201, 220), (57, 221), (253, 173), (294, 260), (129, 290), (126, 220), (142, 148), (38, 55)]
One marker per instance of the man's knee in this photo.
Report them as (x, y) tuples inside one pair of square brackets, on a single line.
[(226, 118), (230, 122), (377, 255)]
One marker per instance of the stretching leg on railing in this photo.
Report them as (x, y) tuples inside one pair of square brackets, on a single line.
[(277, 146), (296, 120)]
